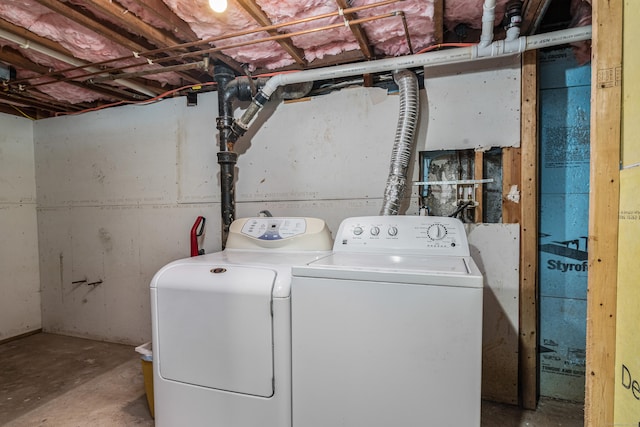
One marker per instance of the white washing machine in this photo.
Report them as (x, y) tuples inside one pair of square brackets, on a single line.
[(222, 326), (387, 331)]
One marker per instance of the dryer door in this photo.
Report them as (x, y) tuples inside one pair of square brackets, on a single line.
[(215, 327)]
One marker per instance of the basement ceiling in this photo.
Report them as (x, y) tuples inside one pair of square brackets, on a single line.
[(70, 56)]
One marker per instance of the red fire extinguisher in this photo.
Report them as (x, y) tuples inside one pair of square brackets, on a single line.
[(195, 233)]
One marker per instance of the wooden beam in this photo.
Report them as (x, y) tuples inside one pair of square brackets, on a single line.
[(182, 31), (261, 18), (11, 56), (32, 37), (358, 32), (133, 24), (16, 111), (438, 21), (528, 342), (604, 196), (161, 11), (511, 165), (532, 11), (25, 102), (69, 12), (478, 173), (118, 37)]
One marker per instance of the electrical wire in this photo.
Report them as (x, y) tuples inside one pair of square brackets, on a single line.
[(441, 45), (22, 112)]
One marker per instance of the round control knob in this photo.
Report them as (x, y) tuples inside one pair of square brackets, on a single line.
[(393, 231), (375, 231), (357, 231), (437, 231)]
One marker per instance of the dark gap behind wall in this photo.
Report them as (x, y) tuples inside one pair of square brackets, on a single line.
[(445, 199)]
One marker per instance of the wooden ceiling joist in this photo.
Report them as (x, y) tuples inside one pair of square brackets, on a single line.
[(358, 32), (532, 14), (75, 15), (160, 11), (11, 56), (261, 18), (65, 9), (33, 38), (152, 32)]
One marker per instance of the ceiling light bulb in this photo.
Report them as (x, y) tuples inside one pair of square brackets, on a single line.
[(218, 6)]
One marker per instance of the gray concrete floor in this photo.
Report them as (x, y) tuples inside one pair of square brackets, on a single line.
[(54, 380)]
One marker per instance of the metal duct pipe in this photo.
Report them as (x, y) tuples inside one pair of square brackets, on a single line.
[(403, 144), (429, 59)]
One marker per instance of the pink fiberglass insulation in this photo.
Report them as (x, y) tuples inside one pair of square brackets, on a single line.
[(85, 44), (72, 94), (580, 16), (59, 91), (469, 12), (317, 44), (207, 24), (134, 7), (113, 50), (388, 34), (62, 91)]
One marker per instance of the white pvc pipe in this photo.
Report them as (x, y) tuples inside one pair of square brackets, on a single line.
[(450, 56), (37, 47), (429, 59), (488, 21), (512, 33)]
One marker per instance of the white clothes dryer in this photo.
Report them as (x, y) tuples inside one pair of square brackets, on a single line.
[(221, 326), (387, 331)]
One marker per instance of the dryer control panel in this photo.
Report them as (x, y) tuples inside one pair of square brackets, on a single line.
[(424, 235)]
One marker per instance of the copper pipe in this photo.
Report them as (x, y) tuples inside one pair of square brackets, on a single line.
[(271, 38), (215, 39), (87, 76), (284, 24), (231, 46), (180, 67), (285, 36)]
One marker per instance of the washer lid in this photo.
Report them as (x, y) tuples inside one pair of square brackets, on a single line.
[(412, 269), (215, 327)]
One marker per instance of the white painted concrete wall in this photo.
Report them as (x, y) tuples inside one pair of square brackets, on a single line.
[(108, 211), (19, 277), (119, 189)]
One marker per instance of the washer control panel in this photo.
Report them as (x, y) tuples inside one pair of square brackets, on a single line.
[(425, 235), (282, 233), (266, 228)]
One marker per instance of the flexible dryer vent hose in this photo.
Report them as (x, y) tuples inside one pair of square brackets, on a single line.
[(403, 145)]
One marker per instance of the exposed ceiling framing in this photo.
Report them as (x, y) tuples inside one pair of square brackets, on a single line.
[(70, 56)]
